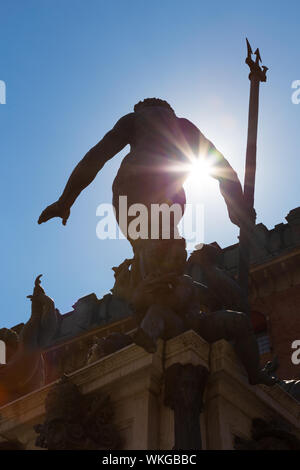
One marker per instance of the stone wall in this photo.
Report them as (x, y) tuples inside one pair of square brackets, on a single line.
[(136, 383)]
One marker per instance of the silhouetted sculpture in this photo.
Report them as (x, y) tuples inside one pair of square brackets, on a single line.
[(163, 299), (24, 371), (155, 169), (162, 146)]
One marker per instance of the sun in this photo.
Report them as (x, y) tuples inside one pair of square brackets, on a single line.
[(199, 170)]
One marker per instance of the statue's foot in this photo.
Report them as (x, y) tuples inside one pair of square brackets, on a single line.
[(142, 339), (263, 378)]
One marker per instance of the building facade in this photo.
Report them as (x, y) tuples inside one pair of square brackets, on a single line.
[(93, 375)]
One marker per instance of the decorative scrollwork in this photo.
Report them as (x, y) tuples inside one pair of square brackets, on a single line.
[(77, 422)]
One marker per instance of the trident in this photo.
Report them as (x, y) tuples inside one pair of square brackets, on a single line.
[(257, 75)]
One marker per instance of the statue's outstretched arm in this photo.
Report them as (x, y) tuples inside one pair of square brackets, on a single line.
[(220, 169), (86, 170)]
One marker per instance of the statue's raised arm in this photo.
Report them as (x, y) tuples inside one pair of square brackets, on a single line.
[(86, 170)]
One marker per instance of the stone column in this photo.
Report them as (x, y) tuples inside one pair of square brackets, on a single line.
[(184, 388)]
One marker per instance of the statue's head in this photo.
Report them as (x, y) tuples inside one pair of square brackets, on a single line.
[(152, 102)]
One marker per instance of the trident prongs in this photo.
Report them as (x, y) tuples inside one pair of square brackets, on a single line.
[(256, 71), (249, 50), (258, 58)]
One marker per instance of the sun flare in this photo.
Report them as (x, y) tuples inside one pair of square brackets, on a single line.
[(200, 170)]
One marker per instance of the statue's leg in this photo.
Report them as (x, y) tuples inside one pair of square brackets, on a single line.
[(236, 327), (147, 190)]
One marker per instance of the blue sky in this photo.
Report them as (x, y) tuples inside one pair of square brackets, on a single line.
[(72, 68)]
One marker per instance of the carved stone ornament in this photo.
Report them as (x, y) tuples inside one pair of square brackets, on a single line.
[(273, 435), (77, 422)]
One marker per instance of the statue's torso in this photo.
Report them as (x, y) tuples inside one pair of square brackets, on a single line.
[(156, 140), (158, 151)]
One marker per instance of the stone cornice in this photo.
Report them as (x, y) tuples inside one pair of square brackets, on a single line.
[(132, 370)]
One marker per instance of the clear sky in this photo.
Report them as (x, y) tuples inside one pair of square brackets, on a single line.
[(73, 67)]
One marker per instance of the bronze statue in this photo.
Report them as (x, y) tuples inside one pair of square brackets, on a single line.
[(162, 146), (153, 172), (164, 300), (24, 371)]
